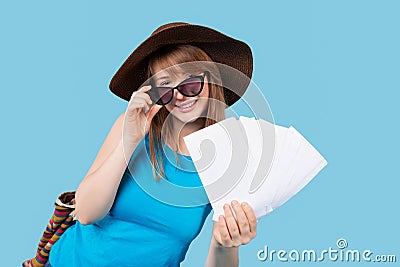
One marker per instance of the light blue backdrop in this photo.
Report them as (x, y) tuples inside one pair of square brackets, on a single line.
[(330, 68)]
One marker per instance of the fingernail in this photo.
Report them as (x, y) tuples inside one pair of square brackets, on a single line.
[(235, 203), (226, 206), (244, 204), (221, 219)]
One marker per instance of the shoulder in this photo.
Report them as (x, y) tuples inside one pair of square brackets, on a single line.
[(118, 125), (115, 133), (120, 119), (111, 141)]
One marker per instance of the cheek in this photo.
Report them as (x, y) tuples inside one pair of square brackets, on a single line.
[(205, 94), (169, 107)]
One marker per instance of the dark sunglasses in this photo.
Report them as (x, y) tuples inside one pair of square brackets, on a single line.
[(192, 86)]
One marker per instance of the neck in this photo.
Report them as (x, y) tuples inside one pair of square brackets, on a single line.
[(181, 130)]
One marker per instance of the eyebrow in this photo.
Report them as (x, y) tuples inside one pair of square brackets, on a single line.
[(163, 77), (157, 79)]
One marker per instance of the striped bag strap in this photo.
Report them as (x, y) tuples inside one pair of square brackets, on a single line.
[(62, 218)]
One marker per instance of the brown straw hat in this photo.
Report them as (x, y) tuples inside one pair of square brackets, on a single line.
[(221, 48)]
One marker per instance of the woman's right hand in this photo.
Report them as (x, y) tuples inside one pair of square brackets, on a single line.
[(138, 115)]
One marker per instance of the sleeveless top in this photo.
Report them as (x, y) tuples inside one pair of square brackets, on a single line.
[(150, 223)]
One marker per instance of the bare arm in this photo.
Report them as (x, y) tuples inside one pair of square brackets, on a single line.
[(221, 256), (96, 193)]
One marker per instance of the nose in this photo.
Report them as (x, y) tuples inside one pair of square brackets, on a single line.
[(178, 95)]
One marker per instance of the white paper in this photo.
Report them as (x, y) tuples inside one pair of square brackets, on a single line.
[(254, 161)]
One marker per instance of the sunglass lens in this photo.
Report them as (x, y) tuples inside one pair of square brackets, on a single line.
[(191, 87), (165, 95)]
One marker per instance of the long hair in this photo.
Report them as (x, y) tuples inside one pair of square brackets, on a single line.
[(167, 57)]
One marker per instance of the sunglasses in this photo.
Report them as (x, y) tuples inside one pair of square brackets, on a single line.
[(192, 86)]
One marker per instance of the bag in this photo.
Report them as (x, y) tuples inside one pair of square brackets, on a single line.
[(62, 218)]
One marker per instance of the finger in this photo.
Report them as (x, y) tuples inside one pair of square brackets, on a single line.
[(141, 90), (135, 106), (231, 223), (225, 238), (138, 107), (248, 210), (145, 96), (241, 218), (144, 88), (141, 101)]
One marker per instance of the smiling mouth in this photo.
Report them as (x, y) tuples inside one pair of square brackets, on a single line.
[(187, 105)]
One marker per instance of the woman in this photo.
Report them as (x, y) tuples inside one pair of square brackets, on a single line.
[(119, 224)]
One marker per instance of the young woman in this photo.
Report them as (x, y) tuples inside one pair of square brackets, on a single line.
[(120, 223)]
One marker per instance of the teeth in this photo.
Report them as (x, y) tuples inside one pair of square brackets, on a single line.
[(187, 105)]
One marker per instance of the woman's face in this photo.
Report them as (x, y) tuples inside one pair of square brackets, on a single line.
[(183, 108)]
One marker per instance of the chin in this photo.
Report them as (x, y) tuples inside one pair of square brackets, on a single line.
[(187, 118)]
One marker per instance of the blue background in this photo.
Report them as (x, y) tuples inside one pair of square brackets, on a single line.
[(330, 68)]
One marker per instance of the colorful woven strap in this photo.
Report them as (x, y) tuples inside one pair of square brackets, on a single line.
[(62, 218)]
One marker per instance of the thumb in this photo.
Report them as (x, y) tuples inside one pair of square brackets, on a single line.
[(153, 111)]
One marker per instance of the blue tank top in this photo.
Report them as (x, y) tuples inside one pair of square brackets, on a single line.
[(150, 223)]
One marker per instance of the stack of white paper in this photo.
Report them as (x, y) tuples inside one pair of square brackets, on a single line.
[(252, 160)]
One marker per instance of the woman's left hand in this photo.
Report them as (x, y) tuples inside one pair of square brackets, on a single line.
[(229, 232)]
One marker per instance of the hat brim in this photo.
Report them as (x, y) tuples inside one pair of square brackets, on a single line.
[(221, 48)]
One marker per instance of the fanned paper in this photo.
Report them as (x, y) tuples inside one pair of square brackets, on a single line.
[(252, 160)]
